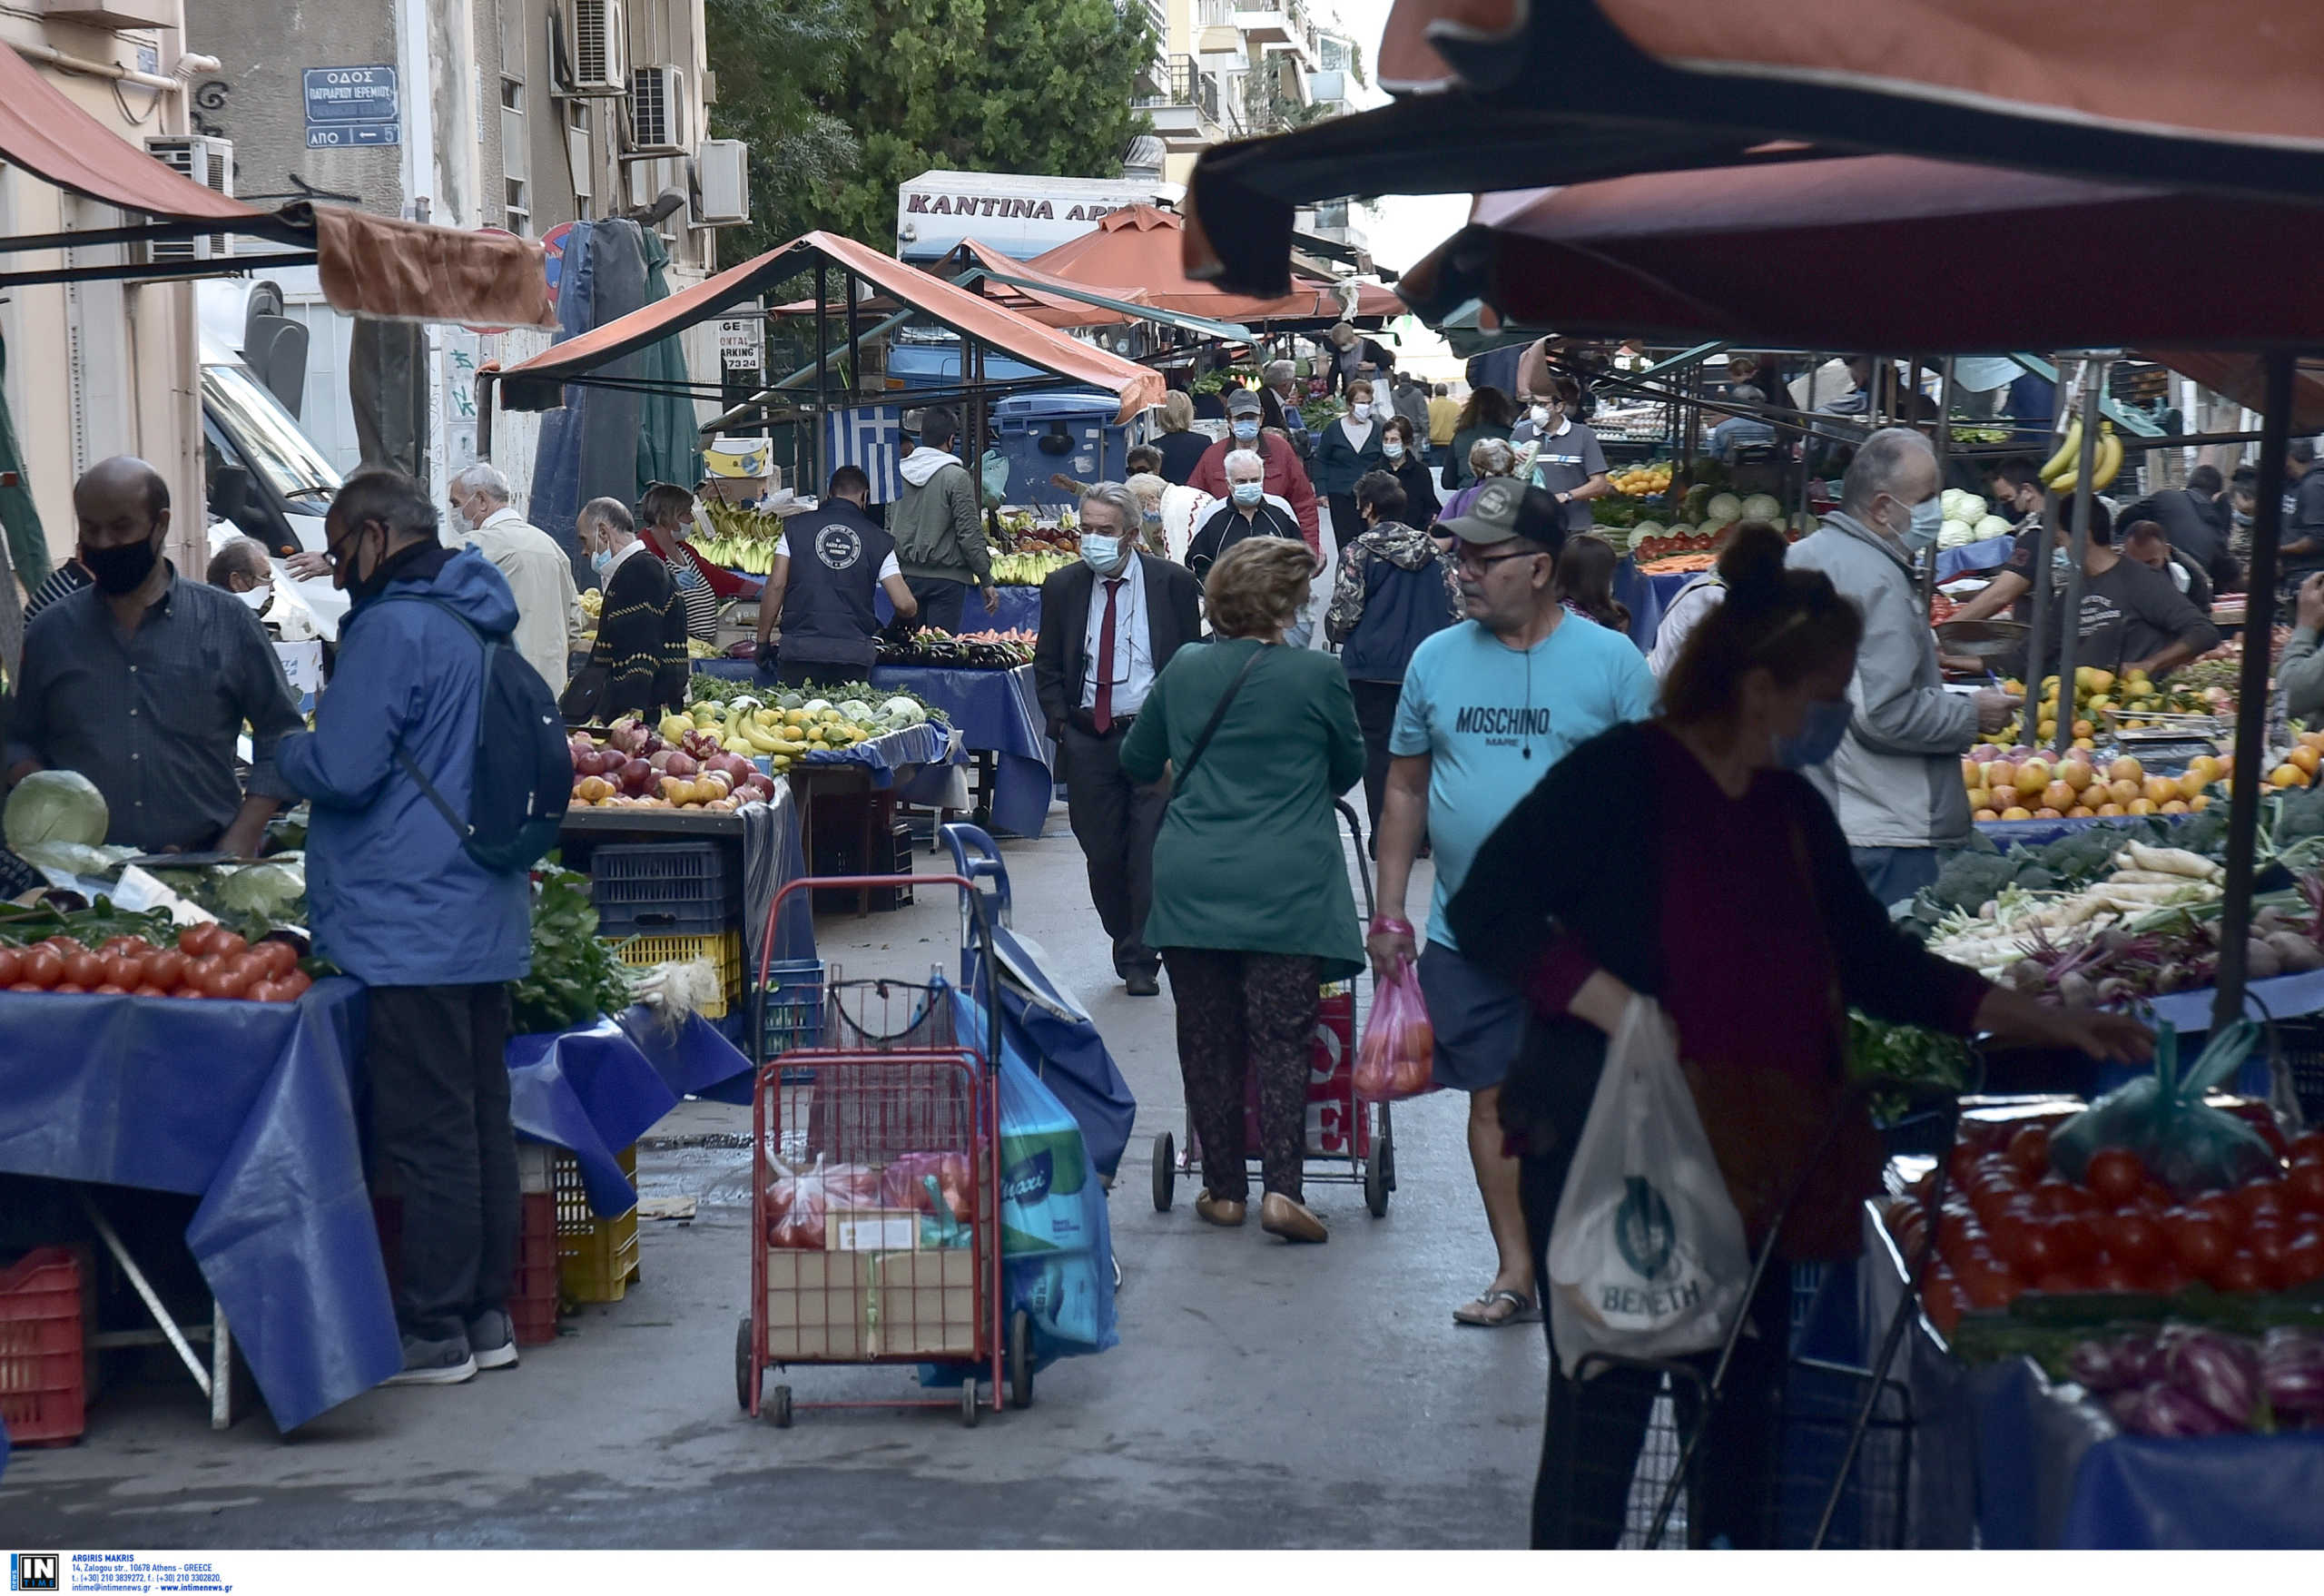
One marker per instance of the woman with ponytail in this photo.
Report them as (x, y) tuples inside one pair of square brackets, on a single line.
[(1684, 860)]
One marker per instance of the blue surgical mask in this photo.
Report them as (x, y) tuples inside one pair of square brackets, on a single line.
[(1101, 552), (602, 561), (1247, 494), (1818, 737), (1393, 447), (1246, 430), (1927, 522)]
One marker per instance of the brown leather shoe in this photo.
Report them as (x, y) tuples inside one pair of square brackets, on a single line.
[(1279, 1216), (1218, 1211)]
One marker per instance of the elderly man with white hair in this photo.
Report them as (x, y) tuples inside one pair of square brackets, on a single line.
[(1249, 511), (1894, 785), (539, 573), (1282, 377)]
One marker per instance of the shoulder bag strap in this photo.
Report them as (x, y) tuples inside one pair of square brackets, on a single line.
[(1201, 738), (403, 756)]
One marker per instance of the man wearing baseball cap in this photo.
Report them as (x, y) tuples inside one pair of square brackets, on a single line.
[(1286, 477), (1489, 704)]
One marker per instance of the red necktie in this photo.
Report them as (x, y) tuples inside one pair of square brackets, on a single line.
[(1102, 716)]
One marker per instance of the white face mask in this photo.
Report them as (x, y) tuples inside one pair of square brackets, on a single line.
[(1361, 410), (257, 597), (1541, 415)]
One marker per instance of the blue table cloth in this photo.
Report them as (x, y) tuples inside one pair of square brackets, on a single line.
[(1020, 610), (1987, 555), (595, 1089), (887, 755), (250, 1106)]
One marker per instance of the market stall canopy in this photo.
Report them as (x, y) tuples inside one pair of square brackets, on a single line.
[(1025, 290), (2244, 379), (1142, 244), (369, 265), (537, 384), (1884, 252), (1499, 93)]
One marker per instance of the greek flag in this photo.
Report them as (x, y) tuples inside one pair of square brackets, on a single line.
[(869, 437)]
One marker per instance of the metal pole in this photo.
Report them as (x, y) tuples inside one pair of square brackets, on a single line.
[(2094, 384), (1943, 443), (854, 354), (2251, 706), (821, 443), (1808, 435)]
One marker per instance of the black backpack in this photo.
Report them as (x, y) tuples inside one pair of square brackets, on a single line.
[(524, 771)]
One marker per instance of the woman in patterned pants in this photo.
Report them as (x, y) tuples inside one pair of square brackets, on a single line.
[(1251, 903)]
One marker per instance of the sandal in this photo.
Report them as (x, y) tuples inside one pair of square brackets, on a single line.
[(1480, 1314)]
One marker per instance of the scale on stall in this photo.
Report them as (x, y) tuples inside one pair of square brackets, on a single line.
[(2166, 742)]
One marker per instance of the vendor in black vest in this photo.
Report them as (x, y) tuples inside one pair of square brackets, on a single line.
[(1109, 622), (826, 564)]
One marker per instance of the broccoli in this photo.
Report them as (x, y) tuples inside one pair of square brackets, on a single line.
[(1970, 880)]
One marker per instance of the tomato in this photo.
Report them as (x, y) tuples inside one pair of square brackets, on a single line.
[(2255, 1197), (1962, 1163), (2062, 1283), (116, 945), (62, 947), (2029, 1150), (2074, 1238), (26, 986), (2309, 1148), (255, 966), (12, 966), (111, 990), (1957, 1234), (2115, 1174), (2239, 1271), (2156, 1197), (223, 978), (150, 990), (2303, 1185), (42, 968), (166, 967), (1943, 1303), (225, 943), (2271, 1244), (297, 980), (121, 970), (2055, 1195), (1988, 1289), (83, 968), (2028, 1247), (283, 956), (2304, 1259), (2132, 1237), (2198, 1241), (2113, 1277), (2223, 1207), (74, 988)]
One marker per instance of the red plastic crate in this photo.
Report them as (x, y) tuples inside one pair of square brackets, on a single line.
[(42, 1394), (532, 1298), (532, 1295)]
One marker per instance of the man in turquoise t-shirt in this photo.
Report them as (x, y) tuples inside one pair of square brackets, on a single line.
[(1488, 706)]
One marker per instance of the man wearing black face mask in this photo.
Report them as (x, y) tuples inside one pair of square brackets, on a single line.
[(143, 683)]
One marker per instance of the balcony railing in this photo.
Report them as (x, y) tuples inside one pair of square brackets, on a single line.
[(1187, 84)]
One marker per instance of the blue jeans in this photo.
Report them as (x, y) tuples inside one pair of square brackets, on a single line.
[(1894, 875)]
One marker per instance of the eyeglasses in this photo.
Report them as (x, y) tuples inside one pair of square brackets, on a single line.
[(1479, 563)]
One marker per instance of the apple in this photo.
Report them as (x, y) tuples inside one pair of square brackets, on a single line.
[(637, 778)]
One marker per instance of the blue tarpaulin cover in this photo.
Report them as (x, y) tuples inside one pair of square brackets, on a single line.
[(250, 1106)]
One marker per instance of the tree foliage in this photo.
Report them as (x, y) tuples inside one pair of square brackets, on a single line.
[(844, 100)]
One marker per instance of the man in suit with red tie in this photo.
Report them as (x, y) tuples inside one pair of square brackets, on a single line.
[(1108, 625)]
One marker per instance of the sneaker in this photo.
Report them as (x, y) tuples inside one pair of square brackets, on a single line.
[(492, 1338), (434, 1363)]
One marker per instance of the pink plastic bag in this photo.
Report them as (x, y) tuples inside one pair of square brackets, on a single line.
[(797, 1203), (1396, 1059)]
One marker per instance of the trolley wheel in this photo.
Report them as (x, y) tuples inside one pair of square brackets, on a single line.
[(1379, 1176), (779, 1408), (1166, 1171), (743, 1363), (968, 1403), (1020, 1359), (1388, 1135)]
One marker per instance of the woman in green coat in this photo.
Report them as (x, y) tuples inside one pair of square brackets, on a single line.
[(1252, 910)]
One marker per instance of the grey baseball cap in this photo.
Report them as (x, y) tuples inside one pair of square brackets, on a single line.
[(1244, 402), (1504, 509)]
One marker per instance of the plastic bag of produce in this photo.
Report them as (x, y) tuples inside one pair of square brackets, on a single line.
[(1396, 1059), (798, 1203), (1646, 1258), (2189, 1145)]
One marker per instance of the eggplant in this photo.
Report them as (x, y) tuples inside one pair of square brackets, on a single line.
[(2221, 1372), (2165, 1411), (2126, 1363), (2291, 1371)]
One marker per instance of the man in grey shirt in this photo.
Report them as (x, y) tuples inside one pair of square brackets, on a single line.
[(142, 682)]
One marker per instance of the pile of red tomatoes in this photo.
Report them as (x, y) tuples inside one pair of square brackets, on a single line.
[(2009, 1226), (208, 961)]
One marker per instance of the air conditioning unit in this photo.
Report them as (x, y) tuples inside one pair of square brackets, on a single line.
[(657, 111), (210, 163), (597, 47), (722, 175)]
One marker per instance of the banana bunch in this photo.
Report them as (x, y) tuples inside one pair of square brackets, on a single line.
[(593, 602), (751, 729), (2062, 472)]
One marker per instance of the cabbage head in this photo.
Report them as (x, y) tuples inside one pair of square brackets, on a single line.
[(55, 806)]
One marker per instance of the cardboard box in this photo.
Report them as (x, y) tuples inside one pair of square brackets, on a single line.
[(923, 1303), (871, 1230), (815, 1305)]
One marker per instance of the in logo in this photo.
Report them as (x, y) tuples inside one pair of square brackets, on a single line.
[(33, 1570), (838, 547), (1643, 1229), (1028, 1182)]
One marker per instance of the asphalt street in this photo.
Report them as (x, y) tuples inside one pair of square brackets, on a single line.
[(1262, 1395)]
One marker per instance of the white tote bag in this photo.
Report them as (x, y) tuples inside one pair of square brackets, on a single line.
[(1646, 1258)]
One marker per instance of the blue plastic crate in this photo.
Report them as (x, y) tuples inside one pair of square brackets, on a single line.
[(793, 1011)]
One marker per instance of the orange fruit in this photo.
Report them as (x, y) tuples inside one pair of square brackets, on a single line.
[(1985, 814), (2161, 789), (2200, 802), (2192, 783), (2125, 769), (2033, 776), (2177, 806), (2126, 789), (2080, 811), (2047, 813), (1980, 798), (2287, 775), (2306, 757), (2110, 809), (2076, 773), (2057, 795), (2139, 807), (2016, 812)]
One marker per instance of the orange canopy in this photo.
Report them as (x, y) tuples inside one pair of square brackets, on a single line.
[(1049, 309), (533, 384), (47, 133), (1141, 244)]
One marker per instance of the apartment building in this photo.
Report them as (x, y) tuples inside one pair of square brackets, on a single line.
[(526, 116)]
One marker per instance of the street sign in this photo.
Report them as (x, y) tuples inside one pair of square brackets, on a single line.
[(740, 346), (349, 106)]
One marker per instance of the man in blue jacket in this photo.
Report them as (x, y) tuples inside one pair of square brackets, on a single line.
[(395, 902)]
